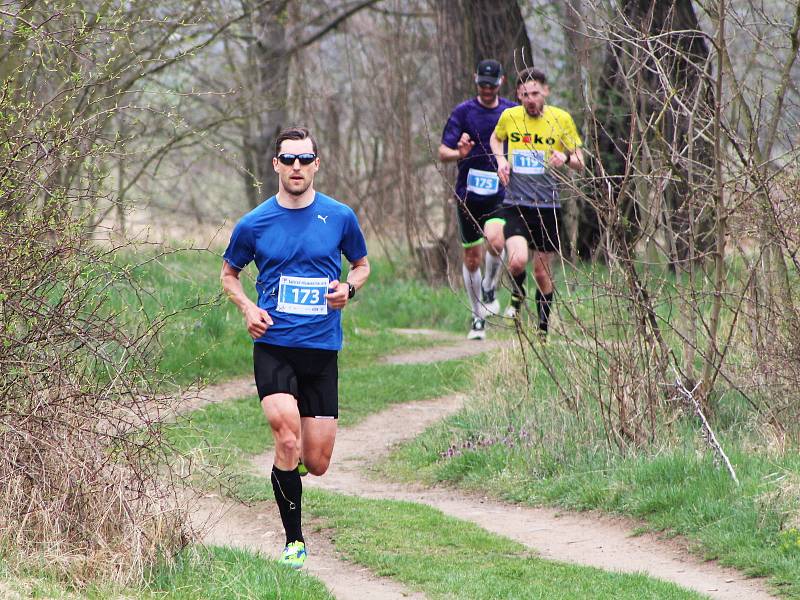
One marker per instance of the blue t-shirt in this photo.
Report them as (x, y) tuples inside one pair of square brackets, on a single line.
[(297, 243), (479, 122)]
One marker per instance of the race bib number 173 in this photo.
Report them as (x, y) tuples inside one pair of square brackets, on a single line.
[(303, 295)]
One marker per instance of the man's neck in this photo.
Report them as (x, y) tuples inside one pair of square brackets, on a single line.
[(287, 200), (494, 103)]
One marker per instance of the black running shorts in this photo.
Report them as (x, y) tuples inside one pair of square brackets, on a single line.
[(308, 374), (472, 218), (542, 227)]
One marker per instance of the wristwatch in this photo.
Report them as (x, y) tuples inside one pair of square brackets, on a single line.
[(351, 290)]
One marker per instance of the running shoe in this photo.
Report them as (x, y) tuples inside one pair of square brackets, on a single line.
[(490, 305), (302, 469), (513, 309), (478, 330), (294, 555)]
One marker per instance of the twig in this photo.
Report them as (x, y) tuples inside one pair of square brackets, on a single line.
[(708, 434)]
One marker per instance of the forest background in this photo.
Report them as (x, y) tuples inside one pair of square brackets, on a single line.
[(131, 124)]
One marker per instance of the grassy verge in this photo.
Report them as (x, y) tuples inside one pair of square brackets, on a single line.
[(199, 573), (413, 544), (204, 337), (216, 572), (448, 558), (523, 445)]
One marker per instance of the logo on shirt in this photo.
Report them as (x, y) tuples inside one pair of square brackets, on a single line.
[(528, 138), (323, 219)]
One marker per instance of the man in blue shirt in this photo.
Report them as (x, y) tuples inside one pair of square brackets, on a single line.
[(296, 239), (478, 192)]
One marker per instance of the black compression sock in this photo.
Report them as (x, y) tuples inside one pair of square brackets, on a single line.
[(518, 293), (544, 302), (288, 494)]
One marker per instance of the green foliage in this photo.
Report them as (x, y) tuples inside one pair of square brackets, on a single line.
[(524, 446), (201, 335), (448, 558), (214, 572)]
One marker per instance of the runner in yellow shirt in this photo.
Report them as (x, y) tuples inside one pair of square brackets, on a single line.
[(539, 139)]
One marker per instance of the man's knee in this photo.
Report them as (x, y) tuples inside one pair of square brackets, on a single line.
[(317, 466), (495, 239), (286, 442), (517, 263), (472, 258)]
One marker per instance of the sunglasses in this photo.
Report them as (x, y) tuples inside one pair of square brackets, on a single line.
[(288, 159)]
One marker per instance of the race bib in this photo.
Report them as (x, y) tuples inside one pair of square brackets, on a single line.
[(303, 295), (483, 183), (528, 162)]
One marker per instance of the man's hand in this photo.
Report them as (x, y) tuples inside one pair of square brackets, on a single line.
[(503, 170), (257, 320), (465, 145), (557, 159), (337, 299)]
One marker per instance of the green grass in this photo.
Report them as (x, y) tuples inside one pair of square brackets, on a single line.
[(448, 558), (416, 545), (204, 337), (215, 572), (529, 449)]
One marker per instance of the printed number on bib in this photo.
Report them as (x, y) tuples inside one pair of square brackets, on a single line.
[(303, 295), (483, 183), (528, 162)]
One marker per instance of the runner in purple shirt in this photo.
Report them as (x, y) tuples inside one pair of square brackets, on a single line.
[(479, 194)]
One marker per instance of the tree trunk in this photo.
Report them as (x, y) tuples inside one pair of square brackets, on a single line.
[(469, 31), (269, 65), (497, 30)]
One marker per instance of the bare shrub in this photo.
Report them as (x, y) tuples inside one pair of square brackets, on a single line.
[(693, 180), (84, 470), (87, 485)]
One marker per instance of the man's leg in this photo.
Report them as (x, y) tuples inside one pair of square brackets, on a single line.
[(517, 251), (471, 270), (543, 273), (495, 253), (284, 420), (318, 437)]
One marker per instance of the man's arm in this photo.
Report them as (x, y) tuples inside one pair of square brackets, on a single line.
[(574, 161), (256, 319), (503, 169), (464, 147), (359, 271)]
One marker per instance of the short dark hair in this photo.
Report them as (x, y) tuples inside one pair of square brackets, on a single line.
[(531, 74), (294, 133)]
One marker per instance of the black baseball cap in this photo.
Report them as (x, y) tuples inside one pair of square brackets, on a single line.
[(489, 72)]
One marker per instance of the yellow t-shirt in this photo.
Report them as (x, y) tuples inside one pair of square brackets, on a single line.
[(530, 142)]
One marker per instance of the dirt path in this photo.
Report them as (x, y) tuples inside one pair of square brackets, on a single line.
[(589, 539), (258, 528)]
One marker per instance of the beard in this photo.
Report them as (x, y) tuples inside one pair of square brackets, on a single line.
[(297, 191), (535, 111)]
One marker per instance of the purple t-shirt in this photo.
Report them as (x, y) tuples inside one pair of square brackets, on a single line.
[(479, 122)]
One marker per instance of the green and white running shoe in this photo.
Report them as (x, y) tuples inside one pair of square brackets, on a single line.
[(294, 555), (478, 330), (490, 305)]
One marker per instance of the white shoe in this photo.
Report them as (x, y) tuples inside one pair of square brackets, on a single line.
[(478, 330), (490, 305)]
